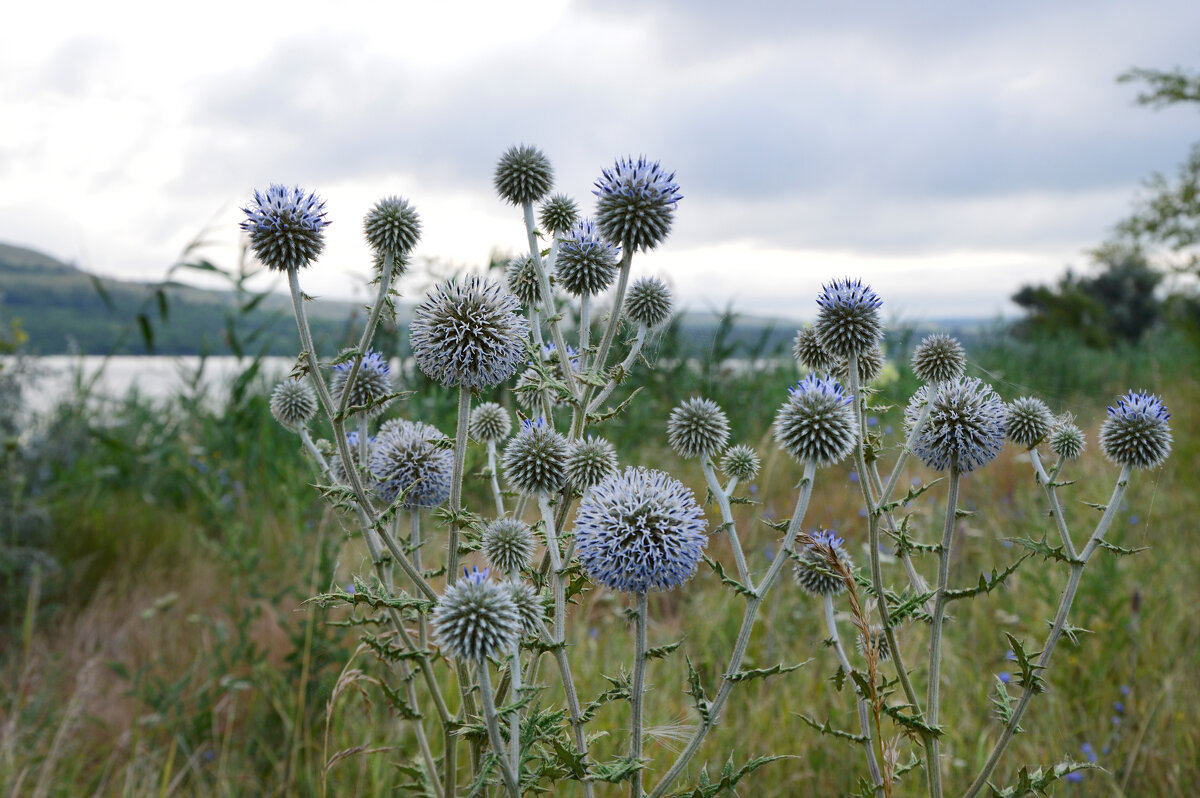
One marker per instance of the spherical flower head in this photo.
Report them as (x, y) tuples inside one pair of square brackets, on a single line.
[(489, 423), (816, 424), (392, 228), (558, 214), (586, 263), (848, 322), (590, 462), (467, 333), (636, 203), (808, 352), (1028, 421), (536, 458), (1136, 432), (878, 639), (813, 570), (528, 602), (293, 403), (410, 460), (965, 429), (476, 619), (870, 365), (648, 302), (741, 462), (372, 383), (523, 175), (286, 227), (939, 358), (698, 428), (508, 545), (640, 530), (523, 283), (1067, 440)]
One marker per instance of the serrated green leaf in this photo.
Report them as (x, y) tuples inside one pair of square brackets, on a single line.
[(988, 584), (826, 728), (762, 673)]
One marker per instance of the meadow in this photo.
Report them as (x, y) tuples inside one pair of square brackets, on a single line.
[(157, 638)]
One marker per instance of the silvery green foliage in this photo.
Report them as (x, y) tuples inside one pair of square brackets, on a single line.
[(535, 459), (407, 459), (523, 175), (476, 619), (813, 570), (816, 424), (878, 640), (741, 462), (293, 403), (371, 385), (523, 283), (286, 227), (392, 227), (508, 545), (467, 333), (590, 461), (1136, 432), (489, 423), (528, 602), (870, 366), (648, 302), (558, 214), (636, 203), (1028, 421), (1066, 439), (697, 427), (640, 530), (586, 262), (808, 352), (965, 429), (939, 358), (848, 322)]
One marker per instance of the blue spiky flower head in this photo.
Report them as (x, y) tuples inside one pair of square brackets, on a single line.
[(640, 530), (392, 227), (372, 385), (293, 403), (1136, 432), (1066, 439), (590, 461), (697, 427), (741, 462), (535, 459), (586, 262), (489, 423), (467, 333), (648, 303), (808, 352), (286, 227), (528, 602), (636, 203), (558, 213), (938, 358), (965, 429), (848, 321), (816, 424), (813, 570), (523, 174), (409, 459), (523, 281), (508, 544), (476, 619), (1028, 421)]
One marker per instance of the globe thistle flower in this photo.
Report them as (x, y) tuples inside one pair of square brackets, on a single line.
[(697, 428), (528, 602), (293, 403), (648, 302), (813, 571), (372, 383), (586, 263), (467, 333), (816, 424), (808, 352), (870, 365), (1136, 432), (523, 175), (741, 462), (558, 214), (1028, 421), (508, 545), (523, 283), (408, 460), (1067, 440), (636, 203), (476, 619), (286, 227), (878, 639), (589, 462), (337, 469), (939, 358), (392, 227), (536, 458), (848, 322), (640, 530), (965, 429), (489, 423)]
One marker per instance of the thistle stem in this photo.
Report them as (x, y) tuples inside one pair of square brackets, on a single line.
[(935, 634), (496, 494), (385, 283), (556, 333), (456, 480), (614, 316), (585, 326), (637, 693), (1052, 497), (626, 364), (493, 729), (864, 720), (722, 498)]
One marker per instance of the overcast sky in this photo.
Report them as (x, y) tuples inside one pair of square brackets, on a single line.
[(948, 152)]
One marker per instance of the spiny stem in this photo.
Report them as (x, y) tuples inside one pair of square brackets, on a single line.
[(456, 480), (614, 316), (863, 709), (385, 283), (935, 634), (637, 693), (493, 729), (496, 494), (722, 498), (560, 342), (626, 364)]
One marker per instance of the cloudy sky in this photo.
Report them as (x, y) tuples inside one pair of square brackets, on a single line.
[(948, 152)]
